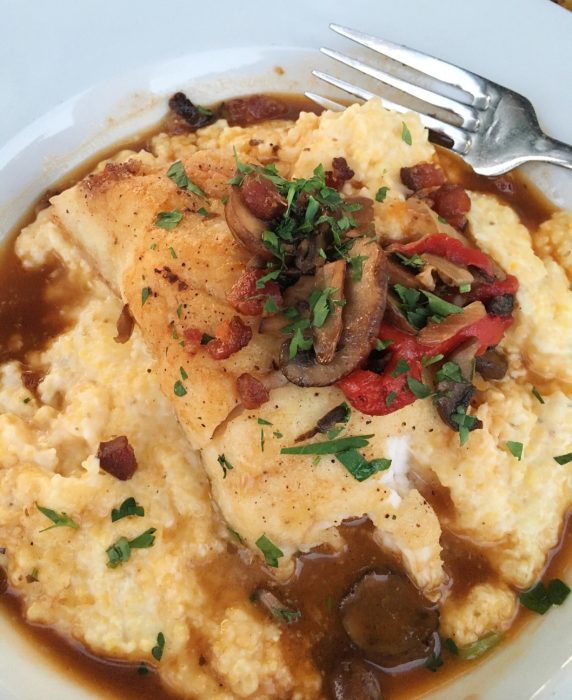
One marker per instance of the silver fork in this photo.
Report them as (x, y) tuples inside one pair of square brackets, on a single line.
[(493, 128)]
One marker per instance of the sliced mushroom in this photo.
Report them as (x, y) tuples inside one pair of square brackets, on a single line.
[(244, 226), (295, 296), (389, 620), (362, 314), (464, 356), (501, 305), (326, 338), (396, 317), (353, 679), (452, 274), (338, 414), (492, 364), (398, 275), (436, 333)]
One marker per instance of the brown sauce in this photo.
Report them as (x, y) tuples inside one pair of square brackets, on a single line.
[(29, 319)]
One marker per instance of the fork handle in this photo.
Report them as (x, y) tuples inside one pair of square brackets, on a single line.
[(553, 151)]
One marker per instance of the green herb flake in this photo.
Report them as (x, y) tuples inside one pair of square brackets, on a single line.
[(262, 421), (145, 292), (449, 371), (153, 246), (536, 599), (173, 252), (298, 343), (440, 307), (390, 398), (206, 338), (356, 266), (442, 220), (381, 345), (400, 368), (563, 459), (272, 275), (225, 465), (465, 288), (235, 534), (27, 399), (515, 448), (414, 261), (329, 447), (537, 395), (406, 134), (429, 360), (434, 662), (142, 670), (270, 551), (58, 519), (179, 310), (224, 200), (202, 211), (277, 434), (168, 219), (157, 651), (558, 591), (480, 647), (359, 467), (269, 306), (33, 577), (145, 540), (118, 553), (420, 390), (177, 174), (184, 375), (381, 194), (465, 423), (450, 646), (179, 389), (127, 509), (262, 439), (286, 615)]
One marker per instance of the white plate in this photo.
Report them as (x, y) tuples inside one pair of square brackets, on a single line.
[(67, 48)]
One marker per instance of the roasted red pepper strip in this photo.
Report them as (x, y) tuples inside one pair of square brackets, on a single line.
[(488, 290), (446, 247)]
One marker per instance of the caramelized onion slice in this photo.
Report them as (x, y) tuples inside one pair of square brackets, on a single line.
[(452, 274), (436, 333), (362, 314)]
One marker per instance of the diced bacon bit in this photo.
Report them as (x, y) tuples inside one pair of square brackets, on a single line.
[(452, 203), (261, 197), (231, 336), (117, 458), (422, 176), (249, 110), (247, 299), (192, 337), (340, 173), (252, 392)]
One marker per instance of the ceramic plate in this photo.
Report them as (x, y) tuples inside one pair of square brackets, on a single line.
[(78, 78)]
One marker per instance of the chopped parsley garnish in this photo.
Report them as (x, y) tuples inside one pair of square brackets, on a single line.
[(179, 310), (480, 647), (515, 448), (359, 467), (262, 421), (178, 175), (224, 200), (381, 194), (173, 252), (442, 220), (33, 577), (450, 646), (465, 288), (202, 211), (235, 534), (277, 434), (427, 360), (269, 306), (400, 368), (184, 375), (272, 275), (169, 219), (329, 447), (157, 651), (537, 395), (449, 371), (406, 134), (414, 261), (356, 266), (322, 305), (419, 310), (142, 669), (541, 598), (120, 551), (145, 292), (271, 552), (225, 465), (286, 615), (262, 439), (420, 390), (390, 398), (27, 399), (58, 519), (433, 662), (153, 246), (563, 459), (298, 343), (465, 423), (128, 508), (206, 338), (179, 389), (382, 344)]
